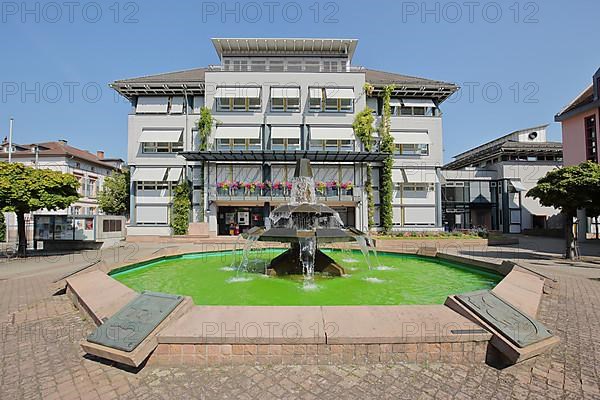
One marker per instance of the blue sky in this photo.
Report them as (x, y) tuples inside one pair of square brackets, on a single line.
[(58, 59)]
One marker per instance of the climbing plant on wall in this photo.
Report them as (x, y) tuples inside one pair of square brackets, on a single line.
[(180, 217), (205, 125), (363, 128), (387, 146)]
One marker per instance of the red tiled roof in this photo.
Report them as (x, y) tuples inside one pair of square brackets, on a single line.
[(47, 149)]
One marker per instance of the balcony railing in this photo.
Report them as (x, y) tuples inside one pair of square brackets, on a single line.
[(283, 194)]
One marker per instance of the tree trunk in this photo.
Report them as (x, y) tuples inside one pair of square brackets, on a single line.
[(22, 247), (569, 237)]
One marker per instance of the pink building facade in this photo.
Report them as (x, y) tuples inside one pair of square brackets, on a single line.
[(580, 126), (580, 122)]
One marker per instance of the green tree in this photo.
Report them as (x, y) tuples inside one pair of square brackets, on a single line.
[(180, 217), (114, 196), (570, 189), (25, 189)]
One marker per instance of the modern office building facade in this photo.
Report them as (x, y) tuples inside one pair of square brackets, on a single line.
[(274, 101), (486, 186)]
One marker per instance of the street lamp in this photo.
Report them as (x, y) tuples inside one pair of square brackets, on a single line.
[(10, 135)]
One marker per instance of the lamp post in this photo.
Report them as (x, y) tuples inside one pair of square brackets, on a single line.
[(10, 135)]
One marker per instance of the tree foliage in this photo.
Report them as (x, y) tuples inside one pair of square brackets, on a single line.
[(386, 146), (114, 196), (180, 217), (26, 189), (570, 189)]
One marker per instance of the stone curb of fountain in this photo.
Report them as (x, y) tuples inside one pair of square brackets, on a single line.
[(261, 353)]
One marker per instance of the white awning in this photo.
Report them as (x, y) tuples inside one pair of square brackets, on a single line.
[(160, 135), (174, 174), (411, 137), (177, 105), (337, 133), (395, 103), (237, 132), (420, 175), (339, 93), (238, 92), (152, 104), (285, 92), (285, 132), (418, 103), (316, 93), (518, 185), (148, 174)]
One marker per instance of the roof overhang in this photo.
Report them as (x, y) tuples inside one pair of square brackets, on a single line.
[(130, 90), (439, 93), (285, 47), (284, 156)]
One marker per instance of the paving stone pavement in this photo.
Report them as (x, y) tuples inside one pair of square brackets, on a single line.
[(40, 359)]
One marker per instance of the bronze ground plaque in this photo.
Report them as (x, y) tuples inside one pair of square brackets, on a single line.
[(517, 327), (133, 323)]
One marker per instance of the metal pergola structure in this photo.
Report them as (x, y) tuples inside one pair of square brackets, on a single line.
[(284, 156)]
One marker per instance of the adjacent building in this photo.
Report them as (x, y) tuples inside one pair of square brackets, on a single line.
[(580, 127), (486, 186), (89, 169), (274, 101)]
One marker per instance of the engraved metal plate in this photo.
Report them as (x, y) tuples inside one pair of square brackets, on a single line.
[(517, 327), (133, 323)]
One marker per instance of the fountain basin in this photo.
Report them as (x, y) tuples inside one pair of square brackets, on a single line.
[(408, 279)]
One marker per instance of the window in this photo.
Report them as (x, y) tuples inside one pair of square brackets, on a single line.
[(591, 138), (312, 66), (417, 187), (276, 65), (162, 147), (315, 104), (258, 65), (332, 145), (414, 111), (238, 104), (411, 149), (331, 105), (285, 144), (153, 185), (240, 65), (111, 225), (238, 144), (331, 66), (285, 104), (294, 66)]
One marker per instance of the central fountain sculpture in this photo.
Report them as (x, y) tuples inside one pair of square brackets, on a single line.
[(305, 225)]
